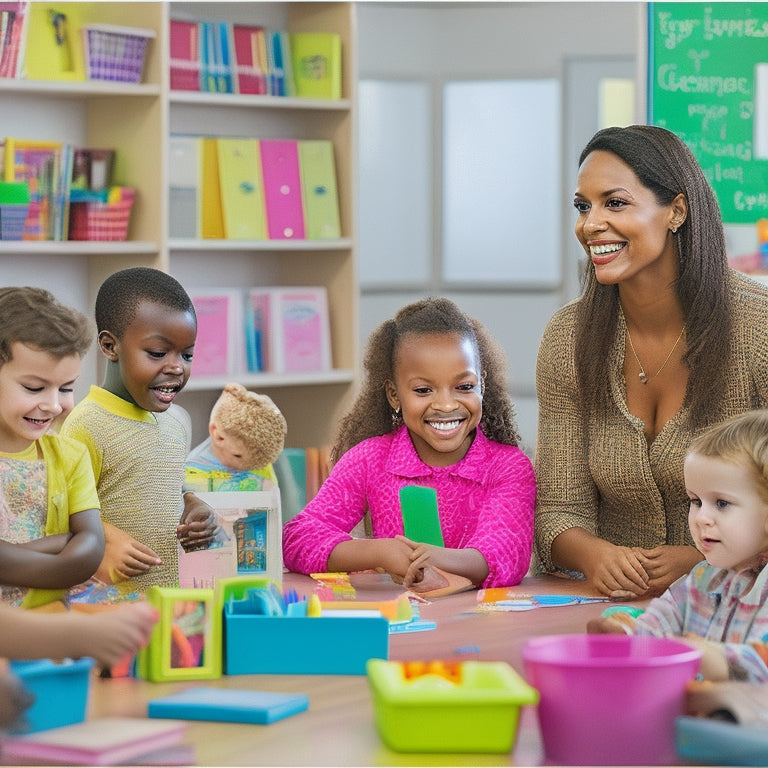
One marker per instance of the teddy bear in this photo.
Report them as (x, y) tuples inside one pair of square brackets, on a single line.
[(246, 435)]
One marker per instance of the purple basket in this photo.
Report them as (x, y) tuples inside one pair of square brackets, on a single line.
[(115, 53)]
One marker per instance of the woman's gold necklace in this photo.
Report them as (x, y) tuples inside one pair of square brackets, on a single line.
[(642, 375)]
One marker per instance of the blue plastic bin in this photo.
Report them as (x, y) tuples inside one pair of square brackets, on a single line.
[(60, 689)]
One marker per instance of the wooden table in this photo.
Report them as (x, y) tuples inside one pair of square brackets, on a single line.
[(339, 729)]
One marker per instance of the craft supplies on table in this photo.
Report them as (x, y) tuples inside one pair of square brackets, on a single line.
[(264, 635)]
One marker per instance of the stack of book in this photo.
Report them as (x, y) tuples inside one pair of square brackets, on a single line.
[(253, 189), (51, 169), (222, 57), (14, 18), (281, 330)]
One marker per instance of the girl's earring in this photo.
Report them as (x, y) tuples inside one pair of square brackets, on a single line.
[(397, 419)]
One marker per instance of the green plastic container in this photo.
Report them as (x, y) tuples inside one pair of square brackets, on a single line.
[(433, 714)]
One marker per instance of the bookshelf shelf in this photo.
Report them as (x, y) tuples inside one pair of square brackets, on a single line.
[(257, 102), (56, 89), (183, 244), (271, 380), (79, 247)]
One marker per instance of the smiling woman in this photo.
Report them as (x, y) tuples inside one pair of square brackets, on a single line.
[(664, 340)]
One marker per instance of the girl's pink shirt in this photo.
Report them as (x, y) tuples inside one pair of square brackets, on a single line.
[(485, 502)]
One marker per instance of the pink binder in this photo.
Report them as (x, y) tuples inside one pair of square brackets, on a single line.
[(282, 189)]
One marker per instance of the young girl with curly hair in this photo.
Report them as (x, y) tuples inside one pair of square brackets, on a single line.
[(434, 410)]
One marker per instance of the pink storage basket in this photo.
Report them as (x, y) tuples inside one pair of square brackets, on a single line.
[(99, 221)]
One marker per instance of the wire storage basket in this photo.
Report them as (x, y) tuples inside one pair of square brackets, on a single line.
[(115, 53)]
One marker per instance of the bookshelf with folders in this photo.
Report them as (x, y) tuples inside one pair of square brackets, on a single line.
[(54, 101)]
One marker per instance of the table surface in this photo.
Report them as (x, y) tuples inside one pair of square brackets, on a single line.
[(339, 728)]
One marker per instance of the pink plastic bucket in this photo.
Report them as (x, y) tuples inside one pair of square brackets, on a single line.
[(609, 699)]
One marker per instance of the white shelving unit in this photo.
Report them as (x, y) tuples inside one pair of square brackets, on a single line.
[(138, 120)]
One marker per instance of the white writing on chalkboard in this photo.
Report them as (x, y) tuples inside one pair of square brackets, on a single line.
[(668, 79), (675, 31)]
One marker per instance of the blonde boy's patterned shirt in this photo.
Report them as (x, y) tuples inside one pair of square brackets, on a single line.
[(724, 606)]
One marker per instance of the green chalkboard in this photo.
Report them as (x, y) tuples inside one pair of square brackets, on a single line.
[(701, 85)]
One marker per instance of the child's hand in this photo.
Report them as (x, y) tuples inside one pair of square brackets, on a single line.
[(197, 527), (714, 664), (420, 556), (124, 556), (111, 635), (616, 624), (15, 699)]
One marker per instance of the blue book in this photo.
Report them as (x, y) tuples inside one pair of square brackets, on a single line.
[(228, 705)]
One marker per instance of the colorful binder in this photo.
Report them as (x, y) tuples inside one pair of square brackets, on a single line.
[(242, 192), (250, 58), (211, 218), (319, 191), (185, 55), (282, 189), (316, 58)]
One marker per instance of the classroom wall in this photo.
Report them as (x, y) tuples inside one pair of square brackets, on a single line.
[(438, 42)]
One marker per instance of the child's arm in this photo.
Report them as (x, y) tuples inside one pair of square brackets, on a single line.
[(124, 556), (75, 563), (107, 636), (51, 545), (197, 527), (463, 562)]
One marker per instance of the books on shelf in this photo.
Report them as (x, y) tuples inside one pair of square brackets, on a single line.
[(218, 348), (41, 164), (242, 189), (293, 328), (14, 21), (55, 172), (185, 55), (282, 189), (249, 44), (253, 189), (316, 64), (281, 329), (226, 57), (320, 194)]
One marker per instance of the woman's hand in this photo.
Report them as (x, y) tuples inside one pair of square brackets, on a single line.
[(665, 564), (124, 557), (617, 572)]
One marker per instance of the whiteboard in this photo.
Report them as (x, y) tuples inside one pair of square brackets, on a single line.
[(502, 182), (395, 182)]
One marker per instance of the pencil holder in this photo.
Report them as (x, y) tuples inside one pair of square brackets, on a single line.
[(115, 53), (14, 208)]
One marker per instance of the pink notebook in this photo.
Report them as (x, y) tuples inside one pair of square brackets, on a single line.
[(103, 741), (282, 189)]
